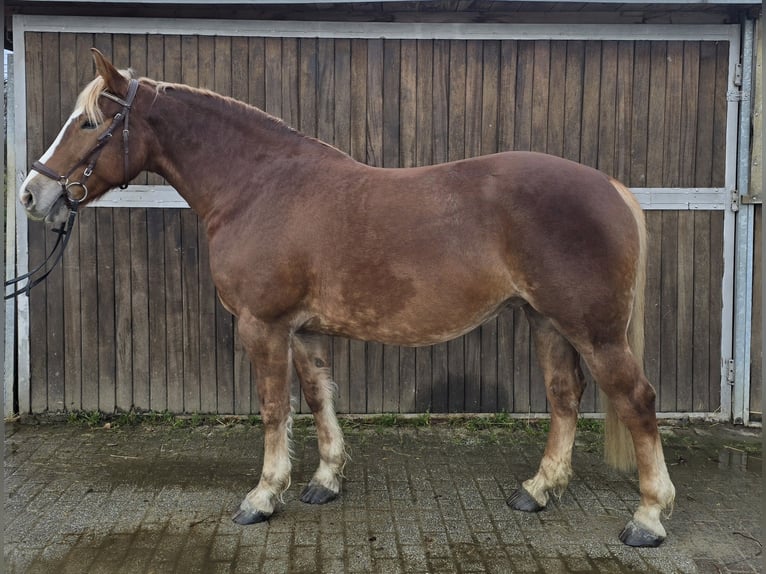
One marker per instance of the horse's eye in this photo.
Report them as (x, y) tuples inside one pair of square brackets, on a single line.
[(88, 125)]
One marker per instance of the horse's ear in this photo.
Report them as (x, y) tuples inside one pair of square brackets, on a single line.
[(116, 83)]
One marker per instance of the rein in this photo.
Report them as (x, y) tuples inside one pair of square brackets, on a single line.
[(72, 202)]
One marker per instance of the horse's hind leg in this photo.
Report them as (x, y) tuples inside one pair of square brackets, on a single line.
[(312, 366), (564, 385), (268, 347), (621, 378)]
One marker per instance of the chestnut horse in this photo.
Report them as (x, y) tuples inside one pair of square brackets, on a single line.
[(304, 240)]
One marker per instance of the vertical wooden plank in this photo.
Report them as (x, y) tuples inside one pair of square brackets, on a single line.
[(307, 123), (139, 271), (104, 245), (756, 347), (669, 310), (489, 140), (718, 177), (607, 108), (439, 154), (639, 125), (640, 115), (673, 113), (654, 160), (358, 150), (507, 96), (37, 142), (375, 118), (556, 98), (334, 108), (703, 250), (70, 88), (424, 146), (573, 98), (701, 343), (54, 116), (456, 150), (474, 63), (522, 345), (407, 158), (390, 123), (686, 233), (341, 95), (256, 72), (290, 73), (590, 104), (716, 275), (375, 65), (307, 86), (123, 380), (223, 320), (155, 227), (190, 261), (541, 77), (190, 278), (525, 61), (624, 110), (669, 282), (207, 297), (107, 362), (273, 76), (325, 90), (174, 313), (505, 136), (240, 90)]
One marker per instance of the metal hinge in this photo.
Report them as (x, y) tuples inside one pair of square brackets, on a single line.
[(734, 200), (735, 95), (751, 199), (730, 371)]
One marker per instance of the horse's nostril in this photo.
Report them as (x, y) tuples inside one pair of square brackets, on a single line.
[(27, 199)]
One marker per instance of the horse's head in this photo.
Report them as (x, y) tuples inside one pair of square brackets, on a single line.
[(100, 147)]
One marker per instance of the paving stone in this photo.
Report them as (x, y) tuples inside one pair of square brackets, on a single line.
[(158, 499)]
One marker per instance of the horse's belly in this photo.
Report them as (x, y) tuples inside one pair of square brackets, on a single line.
[(411, 327)]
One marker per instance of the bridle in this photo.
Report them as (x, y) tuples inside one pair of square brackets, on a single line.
[(72, 202)]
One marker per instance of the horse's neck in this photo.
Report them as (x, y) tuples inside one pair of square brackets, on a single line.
[(213, 150)]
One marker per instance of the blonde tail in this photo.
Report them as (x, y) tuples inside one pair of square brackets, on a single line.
[(618, 442)]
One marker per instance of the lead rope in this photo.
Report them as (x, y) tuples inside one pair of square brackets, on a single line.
[(64, 233)]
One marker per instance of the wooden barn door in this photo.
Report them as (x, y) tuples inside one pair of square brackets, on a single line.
[(131, 319)]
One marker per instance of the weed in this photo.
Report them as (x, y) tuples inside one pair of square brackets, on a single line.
[(130, 418), (590, 425), (84, 418), (423, 420), (386, 420)]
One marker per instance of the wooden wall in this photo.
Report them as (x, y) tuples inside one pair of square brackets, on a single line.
[(132, 319)]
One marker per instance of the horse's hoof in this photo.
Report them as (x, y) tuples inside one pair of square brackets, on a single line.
[(522, 500), (315, 493), (245, 517), (635, 535)]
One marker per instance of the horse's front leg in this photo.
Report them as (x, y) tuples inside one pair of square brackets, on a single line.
[(312, 366), (269, 350)]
